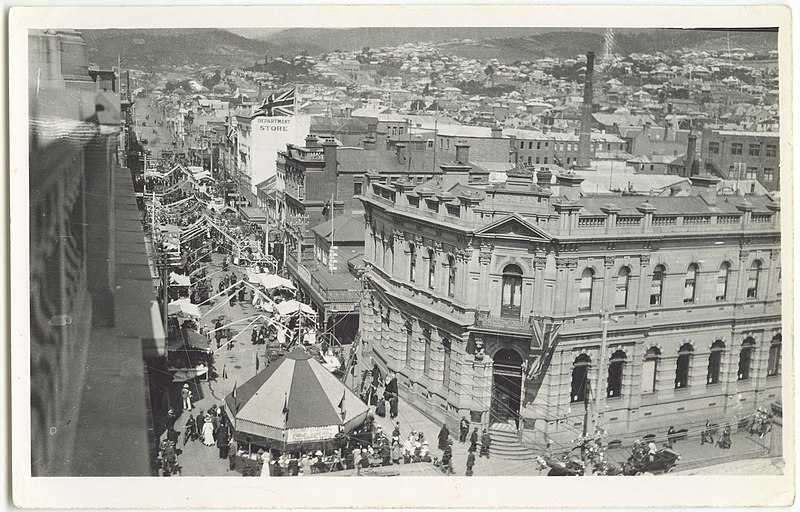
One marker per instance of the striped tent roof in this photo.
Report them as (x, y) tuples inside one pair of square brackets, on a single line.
[(295, 391)]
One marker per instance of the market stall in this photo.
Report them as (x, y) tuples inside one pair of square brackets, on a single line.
[(293, 404)]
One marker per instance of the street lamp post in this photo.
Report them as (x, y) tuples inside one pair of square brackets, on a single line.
[(591, 426)]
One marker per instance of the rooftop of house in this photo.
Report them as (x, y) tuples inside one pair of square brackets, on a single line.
[(347, 228)]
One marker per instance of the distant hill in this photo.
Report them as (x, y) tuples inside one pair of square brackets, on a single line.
[(153, 48), (569, 43), (316, 40)]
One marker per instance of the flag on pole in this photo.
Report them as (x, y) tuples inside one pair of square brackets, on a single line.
[(235, 399), (342, 407), (277, 105)]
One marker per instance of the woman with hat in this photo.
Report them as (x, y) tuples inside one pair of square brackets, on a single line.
[(208, 432)]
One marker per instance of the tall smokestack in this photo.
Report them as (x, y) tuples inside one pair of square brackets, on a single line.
[(585, 138), (691, 148)]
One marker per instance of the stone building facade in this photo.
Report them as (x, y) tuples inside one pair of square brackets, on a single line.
[(488, 301)]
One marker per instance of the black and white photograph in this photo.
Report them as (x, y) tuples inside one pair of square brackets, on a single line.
[(448, 249)]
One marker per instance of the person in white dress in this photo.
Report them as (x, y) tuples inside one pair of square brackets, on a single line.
[(208, 432)]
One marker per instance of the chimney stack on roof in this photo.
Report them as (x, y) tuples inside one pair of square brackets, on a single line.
[(585, 137), (691, 148), (497, 132), (569, 186), (329, 151), (705, 186), (312, 141), (400, 151), (462, 153), (454, 174), (543, 178)]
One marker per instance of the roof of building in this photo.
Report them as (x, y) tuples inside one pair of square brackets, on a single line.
[(681, 205), (387, 161), (622, 119), (460, 130), (347, 228), (338, 124)]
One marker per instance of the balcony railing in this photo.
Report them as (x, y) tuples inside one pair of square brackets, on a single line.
[(521, 325)]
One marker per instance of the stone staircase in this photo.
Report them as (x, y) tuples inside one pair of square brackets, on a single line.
[(505, 444)]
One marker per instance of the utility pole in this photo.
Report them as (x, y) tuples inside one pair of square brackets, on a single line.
[(595, 418)]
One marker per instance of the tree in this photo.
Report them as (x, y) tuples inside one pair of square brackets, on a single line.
[(489, 71)]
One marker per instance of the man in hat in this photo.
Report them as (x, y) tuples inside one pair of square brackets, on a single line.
[(171, 418), (486, 441), (186, 397), (223, 443), (218, 331), (463, 428), (473, 440)]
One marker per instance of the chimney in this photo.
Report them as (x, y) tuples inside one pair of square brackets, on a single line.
[(691, 148), (569, 186), (585, 138), (544, 177), (400, 151), (462, 153), (369, 143), (497, 132), (453, 174), (312, 141), (705, 186), (329, 149)]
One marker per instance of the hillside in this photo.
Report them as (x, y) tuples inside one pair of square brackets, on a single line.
[(571, 43), (315, 40), (155, 48)]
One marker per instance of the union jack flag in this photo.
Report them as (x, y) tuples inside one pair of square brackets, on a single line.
[(276, 105), (232, 133)]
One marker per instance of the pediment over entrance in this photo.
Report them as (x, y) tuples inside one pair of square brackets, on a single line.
[(515, 226)]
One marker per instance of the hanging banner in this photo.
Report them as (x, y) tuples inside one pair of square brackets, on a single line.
[(308, 434)]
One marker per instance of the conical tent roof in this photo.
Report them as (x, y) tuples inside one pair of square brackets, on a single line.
[(295, 392)]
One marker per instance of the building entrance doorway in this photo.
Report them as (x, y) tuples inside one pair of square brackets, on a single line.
[(506, 387)]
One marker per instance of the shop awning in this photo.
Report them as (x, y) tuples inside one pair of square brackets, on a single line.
[(183, 307), (253, 214), (291, 307)]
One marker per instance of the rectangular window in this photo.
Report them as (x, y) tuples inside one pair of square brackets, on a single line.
[(538, 145), (545, 159), (754, 150), (409, 342), (522, 144), (530, 145), (769, 174), (752, 173), (537, 159), (737, 148), (426, 364), (357, 188), (446, 368), (430, 144), (713, 148), (771, 150), (529, 160)]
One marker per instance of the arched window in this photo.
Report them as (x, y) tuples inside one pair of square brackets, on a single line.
[(682, 366), (412, 262), (715, 362), (621, 296), (512, 292), (746, 358), (657, 285), (580, 378), (650, 369), (451, 278), (722, 281), (616, 369), (690, 284), (774, 365), (585, 293), (752, 279), (431, 269)]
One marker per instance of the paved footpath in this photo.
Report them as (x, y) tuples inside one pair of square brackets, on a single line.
[(239, 366)]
